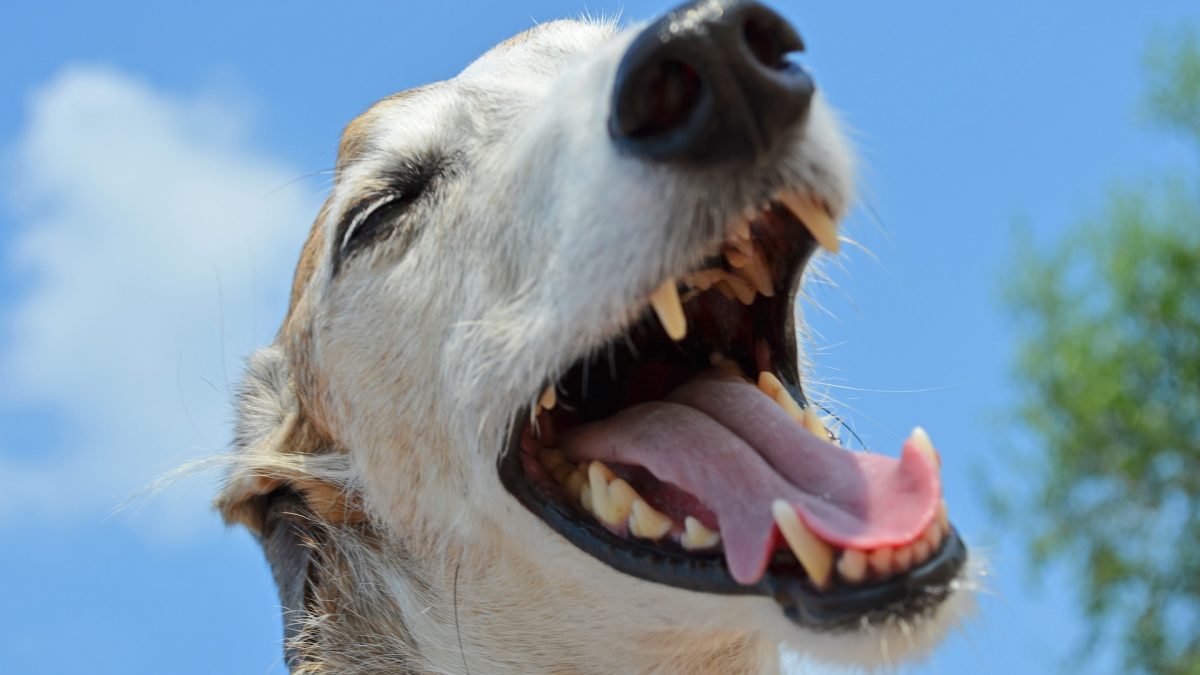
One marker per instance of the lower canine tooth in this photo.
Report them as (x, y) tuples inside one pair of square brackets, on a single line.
[(920, 438), (815, 218), (669, 308), (696, 536), (647, 522), (814, 555), (771, 386), (853, 565)]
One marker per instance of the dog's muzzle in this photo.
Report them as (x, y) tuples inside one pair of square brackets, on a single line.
[(709, 82)]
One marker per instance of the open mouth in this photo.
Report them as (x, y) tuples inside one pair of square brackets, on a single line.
[(685, 452)]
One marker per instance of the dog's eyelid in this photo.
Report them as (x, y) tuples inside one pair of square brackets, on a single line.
[(358, 213)]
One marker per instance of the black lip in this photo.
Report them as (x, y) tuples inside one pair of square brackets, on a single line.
[(841, 608)]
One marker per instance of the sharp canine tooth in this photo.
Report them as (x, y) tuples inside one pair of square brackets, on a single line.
[(549, 398), (585, 497), (668, 307), (696, 536), (815, 555), (742, 231), (771, 386), (621, 496), (853, 565), (813, 423), (647, 522), (921, 440), (814, 218)]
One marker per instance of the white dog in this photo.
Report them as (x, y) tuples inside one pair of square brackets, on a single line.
[(536, 405)]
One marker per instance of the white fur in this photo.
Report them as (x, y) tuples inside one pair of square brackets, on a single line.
[(540, 244)]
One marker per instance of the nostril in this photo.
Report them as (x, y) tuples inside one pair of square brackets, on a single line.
[(667, 93), (765, 44)]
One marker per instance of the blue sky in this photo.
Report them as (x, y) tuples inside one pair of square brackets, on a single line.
[(160, 165)]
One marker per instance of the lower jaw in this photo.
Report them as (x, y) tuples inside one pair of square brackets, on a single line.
[(912, 593)]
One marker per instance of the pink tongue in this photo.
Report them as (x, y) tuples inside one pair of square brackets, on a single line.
[(725, 442)]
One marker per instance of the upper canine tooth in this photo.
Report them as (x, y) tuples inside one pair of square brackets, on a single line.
[(815, 555), (736, 258), (696, 536), (647, 522), (549, 398), (668, 307), (815, 218)]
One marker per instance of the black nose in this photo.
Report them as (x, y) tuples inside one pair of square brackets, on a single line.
[(709, 82)]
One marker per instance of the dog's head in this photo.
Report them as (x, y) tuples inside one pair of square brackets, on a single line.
[(546, 318)]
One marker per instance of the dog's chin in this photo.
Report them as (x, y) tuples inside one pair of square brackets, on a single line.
[(685, 454)]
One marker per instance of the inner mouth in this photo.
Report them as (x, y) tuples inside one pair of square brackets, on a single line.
[(685, 452)]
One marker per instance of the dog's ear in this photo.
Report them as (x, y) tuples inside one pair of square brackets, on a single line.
[(276, 447)]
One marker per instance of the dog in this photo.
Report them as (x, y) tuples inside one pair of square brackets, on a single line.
[(537, 405)]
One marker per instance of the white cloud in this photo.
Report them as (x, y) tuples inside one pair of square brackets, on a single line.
[(158, 250)]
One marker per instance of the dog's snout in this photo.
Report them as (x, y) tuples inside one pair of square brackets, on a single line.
[(708, 82)]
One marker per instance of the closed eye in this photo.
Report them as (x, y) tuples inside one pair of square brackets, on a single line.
[(377, 216)]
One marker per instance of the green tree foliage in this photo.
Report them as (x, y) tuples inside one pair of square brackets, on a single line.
[(1108, 373)]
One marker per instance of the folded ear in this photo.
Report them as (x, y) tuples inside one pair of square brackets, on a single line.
[(275, 447)]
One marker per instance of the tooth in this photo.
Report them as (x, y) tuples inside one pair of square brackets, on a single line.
[(902, 558), (562, 472), (741, 288), (549, 398), (621, 496), (852, 566), (943, 517), (719, 360), (814, 555), (647, 522), (736, 258), (921, 440), (815, 218), (757, 272), (881, 561), (742, 231), (585, 497), (696, 536), (612, 498), (575, 482), (771, 386), (725, 289), (666, 303), (551, 459), (920, 551), (813, 423), (933, 537)]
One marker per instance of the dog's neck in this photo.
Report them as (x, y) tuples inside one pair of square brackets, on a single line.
[(366, 604)]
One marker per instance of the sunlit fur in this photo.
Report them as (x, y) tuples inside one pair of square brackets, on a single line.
[(389, 392)]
